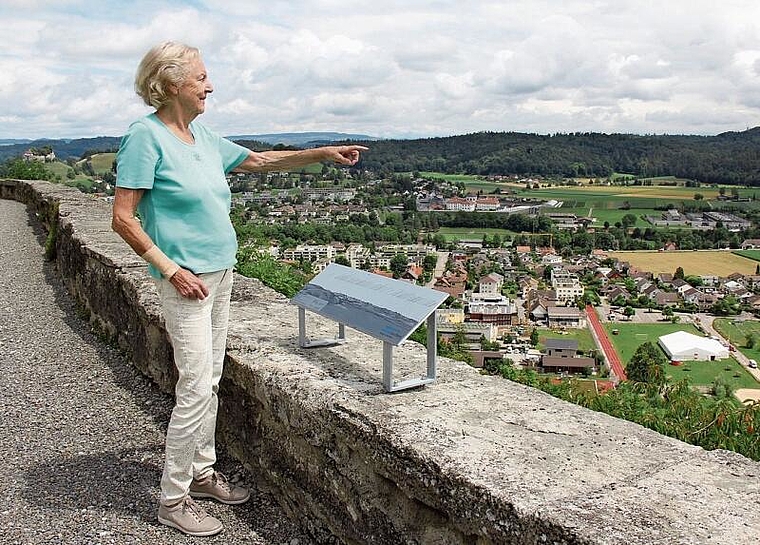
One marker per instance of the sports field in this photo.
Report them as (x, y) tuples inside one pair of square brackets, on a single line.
[(749, 254), (717, 262), (631, 335)]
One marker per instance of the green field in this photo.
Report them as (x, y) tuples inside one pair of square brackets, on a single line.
[(736, 333), (704, 373), (749, 254), (58, 168), (102, 162), (604, 214), (583, 336), (699, 373), (466, 233), (633, 335), (466, 178)]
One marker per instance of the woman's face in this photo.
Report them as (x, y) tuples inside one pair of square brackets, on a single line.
[(191, 95)]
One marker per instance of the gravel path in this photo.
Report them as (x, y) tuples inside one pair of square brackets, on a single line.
[(81, 431)]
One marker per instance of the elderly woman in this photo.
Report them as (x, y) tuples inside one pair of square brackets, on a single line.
[(172, 170)]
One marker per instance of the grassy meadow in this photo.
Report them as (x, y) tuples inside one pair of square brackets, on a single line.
[(102, 162), (583, 336)]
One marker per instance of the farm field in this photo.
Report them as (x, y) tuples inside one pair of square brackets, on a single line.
[(466, 233), (641, 199), (467, 178), (583, 336), (604, 214), (622, 193), (718, 262)]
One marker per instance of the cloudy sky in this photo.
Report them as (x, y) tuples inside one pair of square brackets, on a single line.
[(391, 68)]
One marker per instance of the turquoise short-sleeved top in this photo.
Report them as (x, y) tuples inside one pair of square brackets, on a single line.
[(185, 209)]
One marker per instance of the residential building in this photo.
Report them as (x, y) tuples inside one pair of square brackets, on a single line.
[(487, 204), (567, 286), (561, 348), (459, 204), (559, 317), (308, 252), (473, 331), (491, 283), (751, 244), (328, 194), (561, 356), (492, 308)]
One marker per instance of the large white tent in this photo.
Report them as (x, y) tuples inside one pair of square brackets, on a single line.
[(682, 346)]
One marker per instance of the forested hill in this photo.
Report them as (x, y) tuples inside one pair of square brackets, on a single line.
[(63, 149), (731, 158)]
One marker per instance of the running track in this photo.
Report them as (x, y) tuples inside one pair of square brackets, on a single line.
[(612, 356)]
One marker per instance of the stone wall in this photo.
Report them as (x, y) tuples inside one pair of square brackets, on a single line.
[(471, 459)]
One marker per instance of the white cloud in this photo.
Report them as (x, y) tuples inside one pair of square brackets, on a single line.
[(394, 68)]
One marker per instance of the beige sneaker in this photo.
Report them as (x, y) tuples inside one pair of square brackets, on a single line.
[(189, 518), (216, 486)]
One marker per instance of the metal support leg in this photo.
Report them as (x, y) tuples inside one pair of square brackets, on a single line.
[(388, 366), (303, 340), (432, 346), (415, 382)]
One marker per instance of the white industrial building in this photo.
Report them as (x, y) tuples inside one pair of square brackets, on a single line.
[(682, 346)]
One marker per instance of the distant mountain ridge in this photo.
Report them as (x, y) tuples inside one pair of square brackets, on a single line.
[(12, 141), (304, 139), (75, 148)]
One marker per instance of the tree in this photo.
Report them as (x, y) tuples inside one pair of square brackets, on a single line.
[(485, 344), (749, 341), (698, 196), (534, 337), (628, 220), (647, 365), (342, 260), (679, 273), (24, 170), (399, 264)]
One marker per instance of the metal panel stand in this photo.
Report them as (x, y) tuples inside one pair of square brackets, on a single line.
[(432, 339), (305, 342)]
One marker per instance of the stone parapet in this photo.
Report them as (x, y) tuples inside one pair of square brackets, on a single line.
[(471, 459)]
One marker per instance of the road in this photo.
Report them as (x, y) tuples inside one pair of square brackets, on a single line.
[(616, 366), (440, 267)]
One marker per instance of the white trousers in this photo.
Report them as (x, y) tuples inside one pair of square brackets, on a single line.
[(198, 332)]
